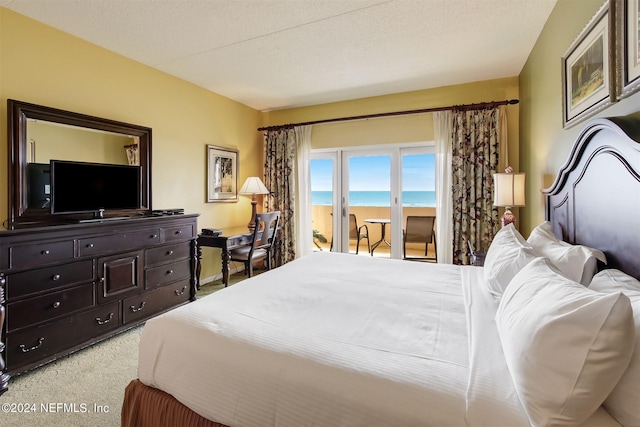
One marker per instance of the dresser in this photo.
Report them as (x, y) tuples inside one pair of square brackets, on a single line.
[(66, 287)]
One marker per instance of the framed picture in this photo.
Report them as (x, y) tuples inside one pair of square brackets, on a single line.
[(627, 47), (222, 174), (586, 81)]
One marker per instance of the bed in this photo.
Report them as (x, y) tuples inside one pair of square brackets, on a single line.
[(543, 334)]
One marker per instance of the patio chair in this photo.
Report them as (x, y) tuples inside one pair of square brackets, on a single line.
[(356, 233), (420, 229)]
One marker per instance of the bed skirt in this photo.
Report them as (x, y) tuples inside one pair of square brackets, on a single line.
[(145, 406)]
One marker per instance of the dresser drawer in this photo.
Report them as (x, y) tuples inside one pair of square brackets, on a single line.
[(158, 276), (168, 253), (40, 253), (49, 306), (117, 242), (142, 238), (41, 343), (181, 232), (151, 302), (49, 278), (100, 244)]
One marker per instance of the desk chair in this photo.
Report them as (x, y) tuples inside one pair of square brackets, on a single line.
[(420, 229), (356, 233), (264, 236)]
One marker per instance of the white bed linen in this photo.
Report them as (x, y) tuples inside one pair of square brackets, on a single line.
[(492, 399), (339, 340), (327, 340)]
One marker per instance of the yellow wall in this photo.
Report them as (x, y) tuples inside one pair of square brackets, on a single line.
[(544, 144), (41, 65), (397, 129)]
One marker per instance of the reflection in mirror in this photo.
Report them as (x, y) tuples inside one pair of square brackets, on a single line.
[(39, 134), (48, 141)]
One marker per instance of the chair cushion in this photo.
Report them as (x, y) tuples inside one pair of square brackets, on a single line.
[(243, 253)]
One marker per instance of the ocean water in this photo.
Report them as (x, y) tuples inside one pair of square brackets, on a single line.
[(377, 198)]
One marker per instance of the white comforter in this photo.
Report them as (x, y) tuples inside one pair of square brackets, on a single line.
[(338, 340)]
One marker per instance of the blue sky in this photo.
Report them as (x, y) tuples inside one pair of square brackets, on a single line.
[(372, 173)]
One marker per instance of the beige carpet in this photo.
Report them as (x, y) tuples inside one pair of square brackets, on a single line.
[(83, 389)]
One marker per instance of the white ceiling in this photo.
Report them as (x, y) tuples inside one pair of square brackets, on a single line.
[(273, 54)]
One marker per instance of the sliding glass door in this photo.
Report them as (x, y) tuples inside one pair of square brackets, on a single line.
[(362, 196), (324, 196), (418, 200), (367, 199)]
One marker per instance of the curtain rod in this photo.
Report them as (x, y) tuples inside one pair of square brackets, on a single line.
[(478, 106)]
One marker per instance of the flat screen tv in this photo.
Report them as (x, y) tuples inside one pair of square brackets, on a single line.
[(79, 187)]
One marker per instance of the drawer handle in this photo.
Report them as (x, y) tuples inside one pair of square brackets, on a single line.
[(55, 277), (140, 307), (107, 320), (89, 245), (27, 350), (169, 272), (169, 253), (153, 236), (45, 252), (179, 232), (56, 304), (180, 292)]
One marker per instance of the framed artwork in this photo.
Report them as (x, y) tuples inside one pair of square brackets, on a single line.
[(586, 80), (222, 174), (627, 47)]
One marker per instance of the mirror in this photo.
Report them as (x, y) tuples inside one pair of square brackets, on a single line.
[(39, 134)]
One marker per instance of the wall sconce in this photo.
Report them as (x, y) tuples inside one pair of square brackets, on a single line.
[(252, 186), (508, 192)]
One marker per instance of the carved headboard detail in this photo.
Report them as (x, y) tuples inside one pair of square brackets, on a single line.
[(595, 199)]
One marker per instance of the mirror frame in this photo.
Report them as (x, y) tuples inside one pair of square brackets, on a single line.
[(18, 114)]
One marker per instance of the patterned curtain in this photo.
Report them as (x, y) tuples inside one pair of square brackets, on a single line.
[(476, 135), (280, 175)]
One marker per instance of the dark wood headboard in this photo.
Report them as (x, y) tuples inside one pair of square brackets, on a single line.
[(595, 199)]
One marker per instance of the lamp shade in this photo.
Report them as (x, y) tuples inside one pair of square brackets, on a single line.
[(253, 185), (508, 189)]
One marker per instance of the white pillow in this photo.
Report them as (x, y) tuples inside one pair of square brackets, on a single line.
[(576, 262), (507, 254), (566, 346), (624, 401)]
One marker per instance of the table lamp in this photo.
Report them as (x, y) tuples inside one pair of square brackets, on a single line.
[(508, 192), (252, 186)]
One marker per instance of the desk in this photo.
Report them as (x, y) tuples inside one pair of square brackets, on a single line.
[(383, 225), (231, 238)]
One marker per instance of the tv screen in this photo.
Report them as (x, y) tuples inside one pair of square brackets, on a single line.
[(85, 187)]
